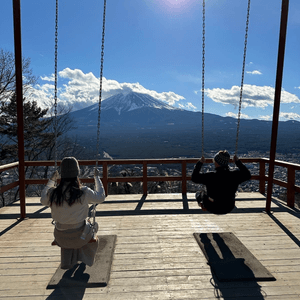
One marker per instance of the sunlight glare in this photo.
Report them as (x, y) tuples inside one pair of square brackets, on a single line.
[(176, 5)]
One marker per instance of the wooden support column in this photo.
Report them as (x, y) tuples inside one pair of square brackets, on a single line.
[(262, 172), (183, 172), (290, 192), (280, 62), (105, 177), (19, 95), (145, 188)]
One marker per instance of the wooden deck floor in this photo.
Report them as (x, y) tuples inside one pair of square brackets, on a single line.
[(156, 256)]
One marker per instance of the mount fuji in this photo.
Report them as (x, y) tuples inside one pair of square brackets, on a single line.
[(136, 125), (131, 109), (132, 101)]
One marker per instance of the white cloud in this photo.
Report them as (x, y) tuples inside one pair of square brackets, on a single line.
[(253, 96), (42, 94), (266, 117), (188, 106), (285, 116), (191, 106), (255, 72), (47, 78), (297, 87), (233, 115), (82, 90)]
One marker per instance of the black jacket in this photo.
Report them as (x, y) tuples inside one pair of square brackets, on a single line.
[(223, 183)]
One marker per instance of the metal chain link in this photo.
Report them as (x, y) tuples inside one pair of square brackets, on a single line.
[(242, 81), (99, 107), (100, 88), (203, 72), (55, 84)]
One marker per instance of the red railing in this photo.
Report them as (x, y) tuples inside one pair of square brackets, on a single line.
[(261, 176)]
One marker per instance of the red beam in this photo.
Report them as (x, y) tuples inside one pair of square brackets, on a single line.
[(278, 86), (145, 178), (9, 186), (290, 193), (19, 94)]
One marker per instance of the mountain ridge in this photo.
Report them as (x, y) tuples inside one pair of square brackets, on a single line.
[(139, 126)]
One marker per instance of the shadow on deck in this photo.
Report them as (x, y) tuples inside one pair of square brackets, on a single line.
[(162, 204)]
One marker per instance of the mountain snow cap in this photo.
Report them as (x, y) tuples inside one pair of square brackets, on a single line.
[(130, 101)]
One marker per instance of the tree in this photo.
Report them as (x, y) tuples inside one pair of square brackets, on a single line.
[(37, 136), (66, 145), (8, 85), (39, 133), (8, 75)]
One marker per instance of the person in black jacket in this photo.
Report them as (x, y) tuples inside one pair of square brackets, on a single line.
[(221, 185)]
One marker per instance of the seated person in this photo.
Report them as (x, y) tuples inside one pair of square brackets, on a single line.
[(69, 203), (221, 185)]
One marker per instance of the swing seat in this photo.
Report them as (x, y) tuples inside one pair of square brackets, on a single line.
[(92, 240), (208, 204)]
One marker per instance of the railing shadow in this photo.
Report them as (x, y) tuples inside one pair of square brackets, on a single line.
[(16, 216), (139, 210), (141, 202), (292, 211), (10, 226)]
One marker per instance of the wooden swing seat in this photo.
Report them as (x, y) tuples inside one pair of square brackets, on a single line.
[(92, 240)]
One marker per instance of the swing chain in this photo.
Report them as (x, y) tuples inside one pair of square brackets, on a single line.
[(203, 72), (242, 80), (55, 85), (100, 89), (99, 110)]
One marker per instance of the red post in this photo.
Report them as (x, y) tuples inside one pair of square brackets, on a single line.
[(105, 177), (280, 61), (290, 193), (183, 172), (262, 172), (145, 188), (19, 95)]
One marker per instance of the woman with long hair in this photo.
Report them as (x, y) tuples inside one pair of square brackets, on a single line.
[(69, 203)]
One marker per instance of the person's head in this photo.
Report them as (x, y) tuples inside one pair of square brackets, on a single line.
[(69, 187), (69, 168), (222, 159)]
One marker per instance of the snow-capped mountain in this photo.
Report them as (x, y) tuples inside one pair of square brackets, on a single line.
[(128, 109), (137, 125), (132, 101)]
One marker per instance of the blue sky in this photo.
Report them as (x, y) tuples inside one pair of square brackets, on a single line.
[(155, 47)]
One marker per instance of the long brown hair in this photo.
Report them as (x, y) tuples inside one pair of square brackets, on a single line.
[(66, 185)]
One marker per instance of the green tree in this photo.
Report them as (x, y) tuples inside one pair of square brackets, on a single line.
[(39, 137), (37, 133)]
